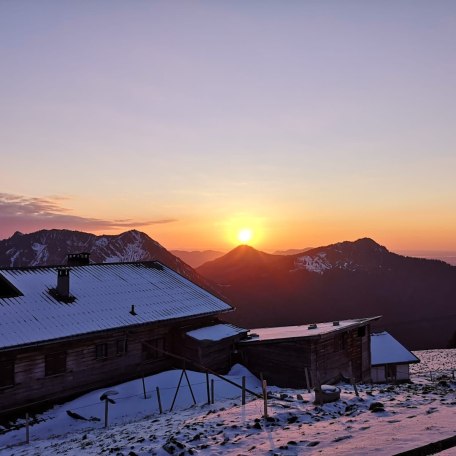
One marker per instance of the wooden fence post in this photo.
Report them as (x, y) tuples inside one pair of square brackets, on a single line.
[(159, 401), (177, 390), (208, 389), (27, 428), (190, 387), (352, 381), (212, 391), (144, 386), (265, 398), (106, 412), (243, 390), (105, 397)]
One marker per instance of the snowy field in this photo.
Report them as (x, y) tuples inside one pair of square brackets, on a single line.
[(406, 417)]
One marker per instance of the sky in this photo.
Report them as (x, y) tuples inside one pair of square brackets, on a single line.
[(307, 122)]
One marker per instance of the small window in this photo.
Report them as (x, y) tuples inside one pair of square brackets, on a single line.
[(6, 373), (390, 372), (362, 331), (153, 349), (121, 346), (101, 351), (55, 363)]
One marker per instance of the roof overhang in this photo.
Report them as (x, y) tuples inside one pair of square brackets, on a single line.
[(306, 332)]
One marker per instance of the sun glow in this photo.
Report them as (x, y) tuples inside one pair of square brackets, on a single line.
[(245, 235), (244, 229)]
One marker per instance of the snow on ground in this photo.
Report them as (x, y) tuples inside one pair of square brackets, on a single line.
[(410, 415)]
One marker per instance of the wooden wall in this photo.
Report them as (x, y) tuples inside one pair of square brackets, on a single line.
[(344, 354), (218, 356), (83, 370), (283, 362), (402, 374)]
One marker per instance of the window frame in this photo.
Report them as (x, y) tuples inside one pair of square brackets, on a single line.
[(55, 363), (121, 347), (149, 353), (8, 366), (101, 350)]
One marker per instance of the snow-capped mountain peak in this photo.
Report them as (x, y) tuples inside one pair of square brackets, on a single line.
[(363, 254)]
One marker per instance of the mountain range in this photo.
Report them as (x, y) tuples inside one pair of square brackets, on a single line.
[(196, 258), (51, 247), (416, 297)]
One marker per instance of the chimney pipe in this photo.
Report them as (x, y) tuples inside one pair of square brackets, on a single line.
[(63, 282)]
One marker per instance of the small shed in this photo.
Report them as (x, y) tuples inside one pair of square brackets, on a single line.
[(390, 359), (311, 354), (213, 346)]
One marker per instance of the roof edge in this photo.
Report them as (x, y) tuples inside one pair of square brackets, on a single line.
[(105, 331)]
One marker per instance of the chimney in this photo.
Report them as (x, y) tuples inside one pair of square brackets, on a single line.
[(78, 259), (63, 282)]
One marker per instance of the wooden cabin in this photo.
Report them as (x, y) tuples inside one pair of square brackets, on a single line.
[(66, 330), (390, 359), (322, 352)]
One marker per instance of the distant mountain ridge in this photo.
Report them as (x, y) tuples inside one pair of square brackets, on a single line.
[(196, 258), (291, 251), (51, 247), (416, 297)]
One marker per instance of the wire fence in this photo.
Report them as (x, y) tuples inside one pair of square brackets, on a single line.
[(447, 373), (150, 393), (442, 374), (144, 403)]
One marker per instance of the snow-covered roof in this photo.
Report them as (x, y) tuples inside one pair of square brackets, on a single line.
[(307, 330), (104, 294), (216, 332), (385, 349)]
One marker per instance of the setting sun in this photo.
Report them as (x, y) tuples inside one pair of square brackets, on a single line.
[(245, 235)]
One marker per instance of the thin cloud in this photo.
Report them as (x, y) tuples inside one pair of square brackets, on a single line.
[(27, 214)]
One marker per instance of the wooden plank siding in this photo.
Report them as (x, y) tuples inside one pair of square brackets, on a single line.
[(346, 355), (282, 363), (218, 355), (328, 358), (84, 371)]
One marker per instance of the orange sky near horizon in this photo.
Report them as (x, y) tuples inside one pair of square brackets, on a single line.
[(272, 235), (405, 228)]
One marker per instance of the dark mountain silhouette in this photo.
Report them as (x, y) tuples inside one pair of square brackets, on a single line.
[(449, 256), (416, 297), (292, 251), (51, 247), (196, 258)]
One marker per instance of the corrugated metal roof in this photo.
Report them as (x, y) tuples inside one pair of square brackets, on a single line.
[(104, 295), (300, 331), (385, 349), (216, 332)]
